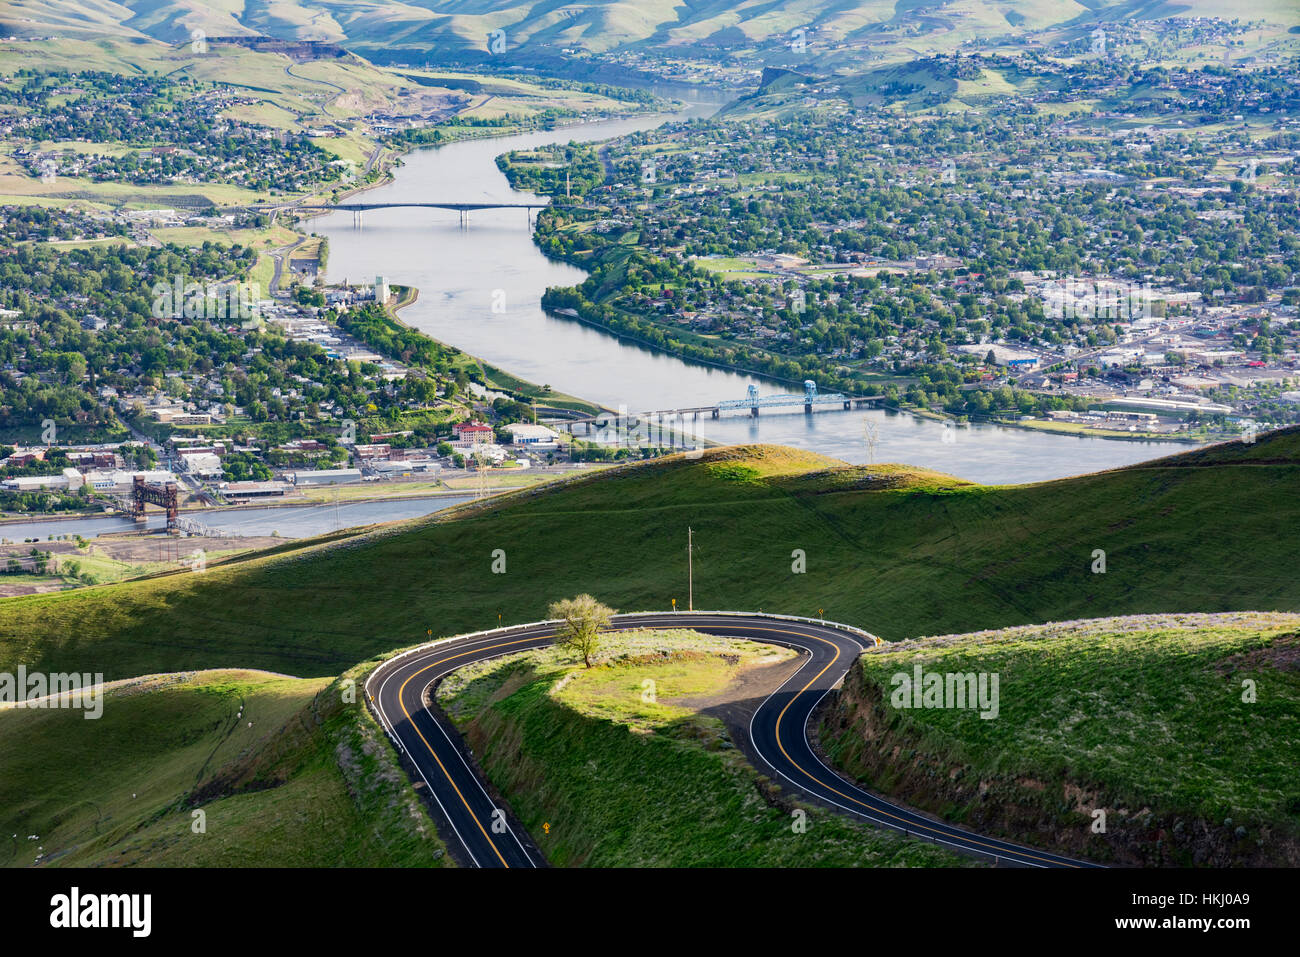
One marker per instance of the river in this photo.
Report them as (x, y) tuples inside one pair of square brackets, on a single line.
[(460, 273), (289, 521)]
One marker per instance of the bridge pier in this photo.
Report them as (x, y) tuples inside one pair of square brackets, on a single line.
[(357, 221), (716, 413), (807, 408), (847, 404)]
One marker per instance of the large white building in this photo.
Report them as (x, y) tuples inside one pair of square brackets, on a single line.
[(202, 464), (119, 478), (535, 436), (326, 476)]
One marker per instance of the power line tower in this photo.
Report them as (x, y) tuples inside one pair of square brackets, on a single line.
[(690, 569), (480, 464)]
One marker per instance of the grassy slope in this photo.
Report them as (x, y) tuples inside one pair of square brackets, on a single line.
[(1142, 717), (898, 553), (601, 777), (310, 783)]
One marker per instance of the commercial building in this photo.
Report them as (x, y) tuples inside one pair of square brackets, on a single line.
[(202, 464), (255, 489), (1002, 355), (119, 478), (34, 483), (326, 477), (522, 433)]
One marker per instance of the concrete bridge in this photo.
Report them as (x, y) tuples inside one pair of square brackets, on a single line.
[(359, 209)]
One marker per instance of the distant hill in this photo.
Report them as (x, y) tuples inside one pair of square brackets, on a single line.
[(692, 29), (898, 551)]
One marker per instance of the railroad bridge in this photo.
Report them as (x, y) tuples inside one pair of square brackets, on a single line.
[(163, 495)]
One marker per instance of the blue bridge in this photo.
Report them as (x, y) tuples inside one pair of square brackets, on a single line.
[(810, 397)]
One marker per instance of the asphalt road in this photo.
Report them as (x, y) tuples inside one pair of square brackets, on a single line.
[(491, 838)]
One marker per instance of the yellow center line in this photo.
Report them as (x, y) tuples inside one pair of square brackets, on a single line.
[(908, 825), (402, 702)]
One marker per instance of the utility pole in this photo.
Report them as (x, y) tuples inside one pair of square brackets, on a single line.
[(690, 569)]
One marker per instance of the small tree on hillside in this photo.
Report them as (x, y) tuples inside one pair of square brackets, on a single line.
[(581, 621)]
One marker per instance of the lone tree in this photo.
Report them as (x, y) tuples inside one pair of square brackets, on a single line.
[(581, 620)]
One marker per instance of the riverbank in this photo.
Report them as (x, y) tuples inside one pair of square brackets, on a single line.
[(27, 518), (1074, 428)]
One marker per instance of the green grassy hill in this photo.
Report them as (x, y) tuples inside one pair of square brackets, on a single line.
[(285, 772), (899, 552), (1184, 730)]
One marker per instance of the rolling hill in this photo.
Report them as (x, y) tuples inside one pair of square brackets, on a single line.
[(691, 29), (222, 768), (897, 551)]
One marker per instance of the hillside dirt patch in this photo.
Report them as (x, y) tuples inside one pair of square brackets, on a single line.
[(1283, 653), (735, 704)]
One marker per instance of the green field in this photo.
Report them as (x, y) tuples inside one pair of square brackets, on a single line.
[(576, 751), (284, 771), (1184, 730), (897, 551)]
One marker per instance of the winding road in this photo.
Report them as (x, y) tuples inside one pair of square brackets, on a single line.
[(398, 688)]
